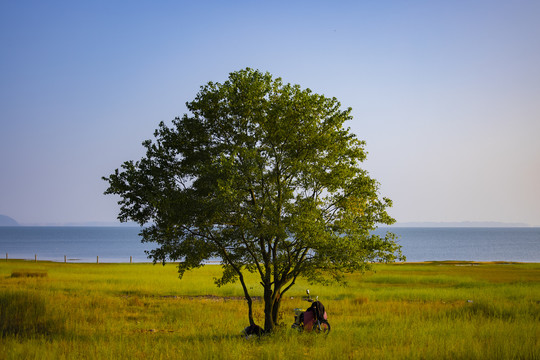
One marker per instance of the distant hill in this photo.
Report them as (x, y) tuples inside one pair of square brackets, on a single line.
[(102, 224), (460, 224), (7, 221), (85, 224)]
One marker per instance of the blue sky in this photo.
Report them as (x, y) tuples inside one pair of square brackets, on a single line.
[(445, 93)]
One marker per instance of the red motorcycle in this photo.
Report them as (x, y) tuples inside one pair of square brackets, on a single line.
[(312, 319)]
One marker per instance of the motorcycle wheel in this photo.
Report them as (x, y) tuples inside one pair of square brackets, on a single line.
[(323, 328)]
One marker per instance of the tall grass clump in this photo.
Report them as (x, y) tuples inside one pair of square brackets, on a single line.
[(25, 313), (29, 274)]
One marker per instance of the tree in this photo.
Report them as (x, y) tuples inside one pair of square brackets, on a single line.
[(264, 176)]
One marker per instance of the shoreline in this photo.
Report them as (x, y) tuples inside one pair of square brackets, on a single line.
[(216, 262)]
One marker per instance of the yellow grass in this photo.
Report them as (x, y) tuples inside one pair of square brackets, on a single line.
[(141, 311)]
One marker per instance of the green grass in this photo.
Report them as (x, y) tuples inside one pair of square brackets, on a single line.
[(141, 311)]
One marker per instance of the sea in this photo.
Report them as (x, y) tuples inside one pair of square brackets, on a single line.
[(122, 244)]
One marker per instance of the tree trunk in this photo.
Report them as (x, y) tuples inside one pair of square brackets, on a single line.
[(250, 310), (248, 299), (275, 307), (272, 303), (268, 306)]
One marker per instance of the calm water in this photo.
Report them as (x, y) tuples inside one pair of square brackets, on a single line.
[(117, 244), (473, 244), (78, 244)]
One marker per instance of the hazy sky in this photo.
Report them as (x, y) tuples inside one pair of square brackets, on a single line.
[(446, 93)]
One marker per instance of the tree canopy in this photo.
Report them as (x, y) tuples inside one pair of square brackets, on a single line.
[(263, 176)]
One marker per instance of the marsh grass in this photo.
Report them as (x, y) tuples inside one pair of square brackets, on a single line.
[(141, 311), (25, 313)]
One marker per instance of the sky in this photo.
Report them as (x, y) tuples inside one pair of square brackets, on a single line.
[(446, 94)]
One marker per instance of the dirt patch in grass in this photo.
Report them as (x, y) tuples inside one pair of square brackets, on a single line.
[(213, 297), (193, 297)]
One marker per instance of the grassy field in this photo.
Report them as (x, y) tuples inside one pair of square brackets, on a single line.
[(141, 311)]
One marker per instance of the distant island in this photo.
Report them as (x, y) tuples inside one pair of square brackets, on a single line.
[(83, 224), (490, 224), (7, 221)]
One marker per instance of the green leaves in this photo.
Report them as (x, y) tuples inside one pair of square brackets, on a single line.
[(263, 175)]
